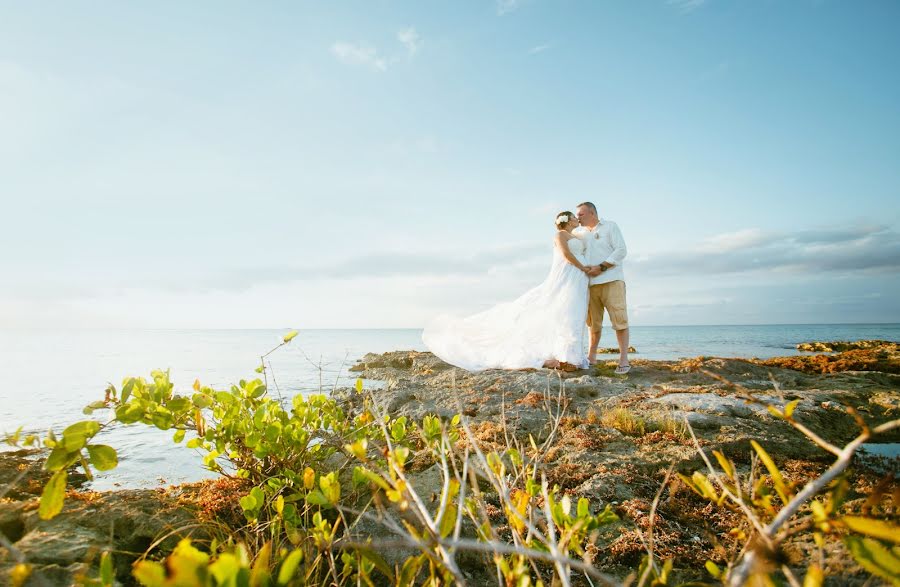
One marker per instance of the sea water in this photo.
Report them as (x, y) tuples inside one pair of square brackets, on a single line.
[(49, 376)]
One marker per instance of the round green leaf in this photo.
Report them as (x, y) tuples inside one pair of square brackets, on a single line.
[(103, 457)]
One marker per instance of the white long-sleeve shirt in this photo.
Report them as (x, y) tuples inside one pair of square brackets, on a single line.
[(604, 244)]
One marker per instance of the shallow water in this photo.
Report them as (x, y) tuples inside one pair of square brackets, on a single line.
[(49, 376)]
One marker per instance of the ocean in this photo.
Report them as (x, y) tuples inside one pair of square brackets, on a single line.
[(50, 375)]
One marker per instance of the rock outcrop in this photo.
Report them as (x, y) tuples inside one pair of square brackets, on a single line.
[(619, 435)]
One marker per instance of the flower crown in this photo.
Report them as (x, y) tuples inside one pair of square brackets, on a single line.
[(563, 219)]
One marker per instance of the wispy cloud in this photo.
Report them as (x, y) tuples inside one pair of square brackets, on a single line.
[(835, 251), (359, 54), (538, 49), (411, 40), (686, 6), (506, 6)]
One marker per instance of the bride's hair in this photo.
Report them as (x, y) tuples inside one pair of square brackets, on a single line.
[(568, 217)]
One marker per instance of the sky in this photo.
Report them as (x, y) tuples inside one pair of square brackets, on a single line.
[(371, 164)]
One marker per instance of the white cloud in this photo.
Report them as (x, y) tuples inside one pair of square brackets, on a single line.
[(686, 5), (411, 40), (507, 6), (538, 49), (359, 54), (837, 252), (733, 241)]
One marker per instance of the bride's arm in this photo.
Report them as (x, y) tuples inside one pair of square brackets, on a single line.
[(561, 242)]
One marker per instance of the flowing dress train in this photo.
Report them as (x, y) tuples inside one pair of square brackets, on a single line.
[(546, 322)]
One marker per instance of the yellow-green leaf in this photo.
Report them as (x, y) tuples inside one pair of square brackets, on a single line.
[(107, 576), (259, 574), (713, 569), (814, 577), (103, 457), (53, 495), (149, 573), (874, 528), (289, 567), (875, 558), (60, 458), (19, 574), (789, 409), (290, 336), (777, 479), (724, 463), (359, 386)]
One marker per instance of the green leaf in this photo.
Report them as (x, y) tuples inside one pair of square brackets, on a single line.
[(76, 435), (103, 457), (331, 487), (178, 436), (162, 419), (410, 570), (875, 558), (360, 474), (130, 413), (583, 510), (377, 560), (777, 479), (289, 567), (316, 497), (448, 522), (259, 574), (290, 336), (127, 387), (713, 569), (249, 503), (53, 495), (874, 528), (60, 458), (359, 385), (106, 570), (178, 404)]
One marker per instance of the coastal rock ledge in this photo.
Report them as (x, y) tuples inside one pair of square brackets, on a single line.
[(614, 440)]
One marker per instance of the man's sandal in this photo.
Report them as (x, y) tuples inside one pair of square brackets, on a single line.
[(623, 369)]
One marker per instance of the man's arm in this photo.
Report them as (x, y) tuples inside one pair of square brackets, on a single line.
[(619, 249)]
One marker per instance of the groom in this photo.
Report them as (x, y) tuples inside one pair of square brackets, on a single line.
[(605, 250)]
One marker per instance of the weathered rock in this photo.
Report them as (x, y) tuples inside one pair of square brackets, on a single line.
[(709, 403), (841, 345), (128, 522), (870, 355)]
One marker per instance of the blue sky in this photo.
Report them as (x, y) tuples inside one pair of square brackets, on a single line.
[(368, 164)]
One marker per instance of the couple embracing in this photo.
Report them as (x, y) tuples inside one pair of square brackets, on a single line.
[(546, 326)]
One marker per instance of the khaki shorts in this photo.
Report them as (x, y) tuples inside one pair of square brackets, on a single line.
[(611, 297)]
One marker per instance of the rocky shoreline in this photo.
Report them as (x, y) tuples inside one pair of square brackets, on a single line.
[(614, 442)]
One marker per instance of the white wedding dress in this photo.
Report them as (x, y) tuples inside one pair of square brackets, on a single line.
[(547, 322)]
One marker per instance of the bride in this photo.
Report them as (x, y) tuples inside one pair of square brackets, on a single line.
[(544, 327)]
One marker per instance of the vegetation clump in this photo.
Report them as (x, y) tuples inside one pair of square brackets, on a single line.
[(320, 491)]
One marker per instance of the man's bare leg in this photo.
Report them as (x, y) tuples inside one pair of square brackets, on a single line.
[(622, 336), (592, 349)]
